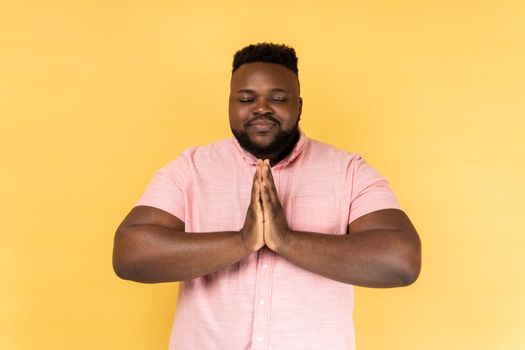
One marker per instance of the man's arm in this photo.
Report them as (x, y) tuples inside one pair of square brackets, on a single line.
[(381, 249), (151, 246)]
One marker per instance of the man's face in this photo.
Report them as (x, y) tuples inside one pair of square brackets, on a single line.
[(264, 108)]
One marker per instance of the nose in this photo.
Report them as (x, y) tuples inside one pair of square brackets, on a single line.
[(262, 107)]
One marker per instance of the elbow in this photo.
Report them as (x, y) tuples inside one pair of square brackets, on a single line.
[(122, 269), (402, 263), (409, 264), (128, 270), (409, 276), (132, 272), (122, 266), (131, 264)]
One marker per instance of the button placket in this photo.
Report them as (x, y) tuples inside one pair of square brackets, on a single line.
[(262, 298), (263, 291)]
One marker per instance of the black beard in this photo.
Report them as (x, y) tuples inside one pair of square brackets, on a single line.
[(284, 142)]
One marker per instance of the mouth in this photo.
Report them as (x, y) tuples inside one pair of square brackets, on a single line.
[(262, 125)]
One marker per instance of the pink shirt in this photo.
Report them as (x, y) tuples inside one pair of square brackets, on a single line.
[(264, 301)]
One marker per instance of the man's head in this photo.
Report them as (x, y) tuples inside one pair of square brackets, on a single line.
[(265, 104)]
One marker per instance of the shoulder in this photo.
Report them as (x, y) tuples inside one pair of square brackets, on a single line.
[(202, 156), (211, 149), (322, 153), (325, 158)]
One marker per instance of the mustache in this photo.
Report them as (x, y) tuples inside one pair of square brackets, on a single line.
[(262, 117)]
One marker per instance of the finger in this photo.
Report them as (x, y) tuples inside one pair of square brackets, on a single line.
[(268, 179), (270, 200), (256, 179), (257, 200), (264, 171), (257, 166), (260, 165), (265, 193), (259, 170), (269, 167), (268, 171)]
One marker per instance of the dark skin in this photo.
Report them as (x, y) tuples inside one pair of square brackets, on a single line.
[(264, 99), (380, 249)]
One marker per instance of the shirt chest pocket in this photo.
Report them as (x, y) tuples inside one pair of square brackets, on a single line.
[(316, 214)]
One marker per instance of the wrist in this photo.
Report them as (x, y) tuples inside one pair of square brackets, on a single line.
[(248, 249), (280, 245)]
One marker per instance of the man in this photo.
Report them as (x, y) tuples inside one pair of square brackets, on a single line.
[(268, 230)]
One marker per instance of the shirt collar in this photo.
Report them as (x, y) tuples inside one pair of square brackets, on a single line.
[(298, 148)]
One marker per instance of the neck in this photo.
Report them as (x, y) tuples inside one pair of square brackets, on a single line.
[(281, 147), (278, 155)]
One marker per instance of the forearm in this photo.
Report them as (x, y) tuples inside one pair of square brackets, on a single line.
[(376, 258), (153, 253)]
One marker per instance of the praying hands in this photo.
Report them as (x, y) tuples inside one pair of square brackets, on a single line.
[(265, 222)]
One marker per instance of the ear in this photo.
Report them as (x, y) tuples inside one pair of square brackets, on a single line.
[(300, 108)]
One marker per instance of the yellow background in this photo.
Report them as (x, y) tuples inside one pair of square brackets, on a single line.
[(95, 96)]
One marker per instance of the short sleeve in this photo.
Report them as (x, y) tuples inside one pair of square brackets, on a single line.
[(370, 191), (166, 190)]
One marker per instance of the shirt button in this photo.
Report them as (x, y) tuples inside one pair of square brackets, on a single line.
[(262, 302), (259, 339), (265, 266)]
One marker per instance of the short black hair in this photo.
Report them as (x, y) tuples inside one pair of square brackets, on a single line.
[(266, 52)]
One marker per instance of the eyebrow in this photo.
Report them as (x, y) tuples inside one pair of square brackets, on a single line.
[(250, 91)]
